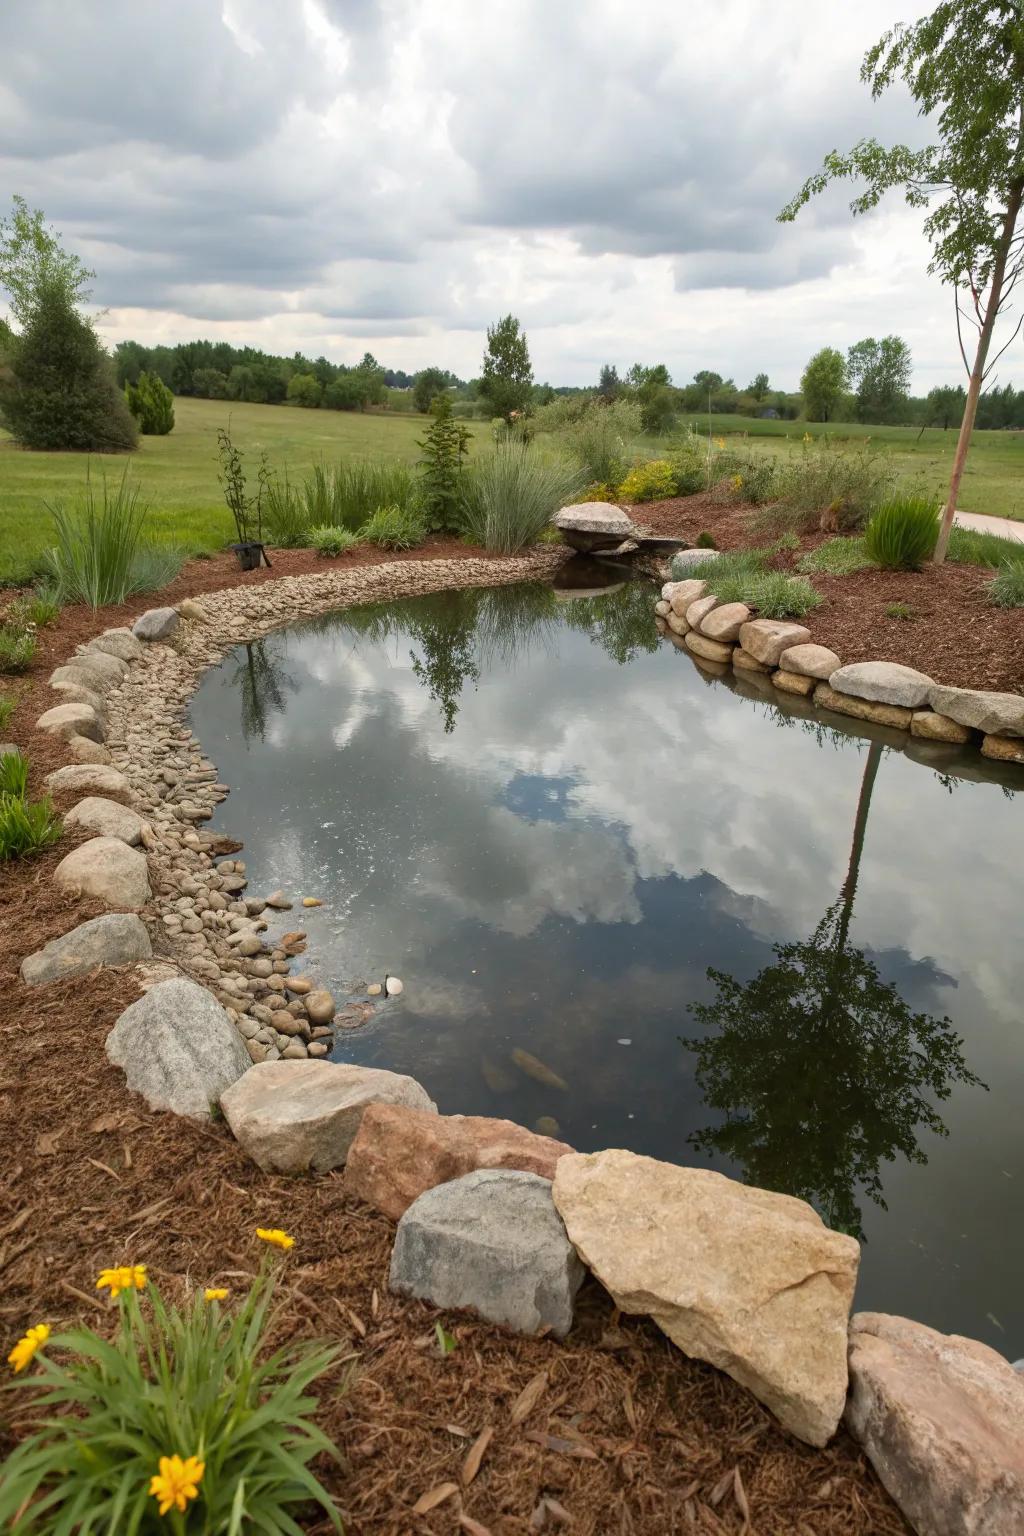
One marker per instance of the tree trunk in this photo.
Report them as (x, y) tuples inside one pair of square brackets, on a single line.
[(860, 826), (995, 296)]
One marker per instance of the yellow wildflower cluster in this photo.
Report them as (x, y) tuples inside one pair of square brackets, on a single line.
[(275, 1237), (177, 1482), (27, 1346), (215, 1293), (125, 1277), (736, 481)]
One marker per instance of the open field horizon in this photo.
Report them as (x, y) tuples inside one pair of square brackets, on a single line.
[(178, 474)]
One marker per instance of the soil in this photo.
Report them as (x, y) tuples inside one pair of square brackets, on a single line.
[(953, 634), (628, 1435)]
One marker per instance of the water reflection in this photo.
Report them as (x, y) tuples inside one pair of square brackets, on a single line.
[(567, 840), (820, 1067)]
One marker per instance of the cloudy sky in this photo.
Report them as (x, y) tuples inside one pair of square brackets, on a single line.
[(333, 175)]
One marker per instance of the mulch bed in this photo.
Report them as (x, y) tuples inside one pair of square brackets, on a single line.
[(954, 635), (627, 1435)]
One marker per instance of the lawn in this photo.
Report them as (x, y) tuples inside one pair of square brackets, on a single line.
[(178, 473), (993, 480)]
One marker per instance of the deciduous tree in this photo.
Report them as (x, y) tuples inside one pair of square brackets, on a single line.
[(823, 384), (964, 66), (428, 384), (507, 373), (879, 372)]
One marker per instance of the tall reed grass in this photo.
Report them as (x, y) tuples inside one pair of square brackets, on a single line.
[(102, 554), (509, 496)]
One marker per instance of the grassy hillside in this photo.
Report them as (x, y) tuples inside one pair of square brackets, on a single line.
[(178, 474)]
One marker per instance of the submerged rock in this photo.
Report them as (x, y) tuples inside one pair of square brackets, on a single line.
[(535, 1068), (491, 1241)]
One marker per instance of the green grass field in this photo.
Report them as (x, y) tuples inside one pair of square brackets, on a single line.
[(178, 474)]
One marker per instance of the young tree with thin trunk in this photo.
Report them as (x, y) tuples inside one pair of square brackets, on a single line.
[(964, 66)]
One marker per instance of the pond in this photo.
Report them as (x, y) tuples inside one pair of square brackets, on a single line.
[(631, 902)]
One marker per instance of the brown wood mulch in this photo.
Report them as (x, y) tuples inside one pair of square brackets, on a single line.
[(953, 634), (625, 1435)]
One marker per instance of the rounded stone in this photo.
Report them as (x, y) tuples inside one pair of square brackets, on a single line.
[(106, 818), (108, 870), (320, 1006), (90, 779), (66, 720)]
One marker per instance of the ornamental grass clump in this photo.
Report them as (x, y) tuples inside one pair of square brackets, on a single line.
[(836, 557), (903, 533), (26, 825), (1006, 589), (394, 527), (102, 554), (330, 541), (509, 496), (182, 1422)]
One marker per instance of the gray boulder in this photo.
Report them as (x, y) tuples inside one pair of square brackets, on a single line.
[(120, 939), (997, 714), (116, 642), (107, 869), (178, 1048), (491, 1241), (105, 818), (106, 671), (883, 682), (593, 525), (294, 1116), (156, 624), (90, 779), (687, 561), (67, 720)]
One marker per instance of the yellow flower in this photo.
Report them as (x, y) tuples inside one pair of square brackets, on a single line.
[(214, 1293), (275, 1236), (719, 442), (737, 481), (26, 1347), (126, 1277), (177, 1482)]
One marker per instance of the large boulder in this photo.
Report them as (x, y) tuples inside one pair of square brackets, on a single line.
[(684, 593), (115, 642), (593, 525), (156, 624), (118, 939), (1003, 749), (66, 720), (106, 818), (687, 561), (104, 670), (766, 639), (90, 779), (725, 623), (882, 682), (297, 1116), (710, 650), (942, 1421), (752, 1281), (178, 1048), (998, 714), (400, 1152), (107, 869), (862, 709), (79, 692), (491, 1241), (810, 660), (84, 750)]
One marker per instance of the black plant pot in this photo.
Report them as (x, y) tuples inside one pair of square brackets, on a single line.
[(249, 556)]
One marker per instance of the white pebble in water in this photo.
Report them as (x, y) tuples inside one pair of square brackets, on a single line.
[(393, 986)]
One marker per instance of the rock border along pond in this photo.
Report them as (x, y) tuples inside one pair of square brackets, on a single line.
[(492, 1216)]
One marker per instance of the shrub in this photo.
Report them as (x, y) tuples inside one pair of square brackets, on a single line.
[(836, 557), (59, 390), (1006, 589), (597, 493), (899, 611), (152, 405), (753, 479), (902, 534), (599, 439), (17, 648), (183, 1418), (830, 488), (650, 481), (443, 450), (394, 528), (245, 506), (690, 467), (101, 555), (285, 516), (43, 607), (305, 389), (705, 540), (510, 495), (331, 541)]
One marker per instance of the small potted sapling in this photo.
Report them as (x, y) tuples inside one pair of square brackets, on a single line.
[(247, 510)]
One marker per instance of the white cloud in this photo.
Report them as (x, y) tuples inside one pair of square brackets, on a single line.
[(317, 174)]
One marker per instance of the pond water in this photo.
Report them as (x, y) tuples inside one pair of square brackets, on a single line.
[(629, 898)]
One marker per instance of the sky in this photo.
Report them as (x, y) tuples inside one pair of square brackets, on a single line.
[(333, 176)]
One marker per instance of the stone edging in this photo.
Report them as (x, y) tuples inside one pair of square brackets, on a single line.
[(882, 692), (493, 1216)]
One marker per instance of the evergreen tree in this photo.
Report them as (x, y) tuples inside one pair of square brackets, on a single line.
[(152, 405), (61, 392)]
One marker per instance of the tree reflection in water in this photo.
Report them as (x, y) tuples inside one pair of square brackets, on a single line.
[(261, 683), (820, 1068)]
